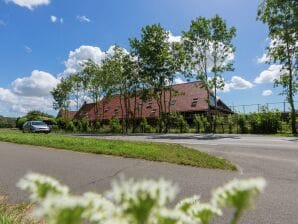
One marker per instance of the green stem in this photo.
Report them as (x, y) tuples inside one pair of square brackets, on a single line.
[(236, 216)]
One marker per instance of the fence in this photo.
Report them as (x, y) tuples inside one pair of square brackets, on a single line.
[(250, 108)]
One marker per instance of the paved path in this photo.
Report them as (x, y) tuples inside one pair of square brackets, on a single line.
[(274, 158)]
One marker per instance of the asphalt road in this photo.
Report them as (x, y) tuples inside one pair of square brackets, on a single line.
[(274, 158)]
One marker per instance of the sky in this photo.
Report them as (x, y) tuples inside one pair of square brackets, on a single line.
[(40, 40)]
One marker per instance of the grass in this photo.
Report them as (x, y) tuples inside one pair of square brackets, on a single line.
[(14, 214), (171, 153)]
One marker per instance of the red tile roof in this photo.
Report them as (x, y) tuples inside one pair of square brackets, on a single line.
[(186, 97), (67, 114)]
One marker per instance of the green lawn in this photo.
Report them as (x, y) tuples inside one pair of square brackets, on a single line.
[(171, 153)]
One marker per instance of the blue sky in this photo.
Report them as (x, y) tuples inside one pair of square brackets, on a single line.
[(30, 40)]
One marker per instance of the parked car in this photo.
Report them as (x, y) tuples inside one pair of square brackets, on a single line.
[(36, 127)]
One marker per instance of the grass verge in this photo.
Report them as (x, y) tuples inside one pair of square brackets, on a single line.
[(171, 153), (14, 214)]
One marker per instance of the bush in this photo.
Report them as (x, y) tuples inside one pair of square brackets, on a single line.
[(20, 122), (145, 127), (230, 123), (70, 126), (198, 123), (242, 124), (182, 124), (265, 122), (61, 123), (115, 126), (137, 202), (85, 125)]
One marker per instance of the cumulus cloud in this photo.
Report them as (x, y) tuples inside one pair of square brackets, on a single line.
[(30, 4), (237, 82), (267, 92), (173, 38), (83, 19), (269, 75), (39, 84), (263, 59), (80, 55), (179, 80), (28, 93)]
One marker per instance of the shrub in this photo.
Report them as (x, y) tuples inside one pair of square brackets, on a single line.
[(70, 126), (198, 123), (265, 122), (145, 127), (137, 202), (230, 123), (20, 122), (242, 124), (115, 125), (182, 124)]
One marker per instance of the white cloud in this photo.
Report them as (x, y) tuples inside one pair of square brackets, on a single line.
[(269, 75), (173, 38), (179, 80), (53, 19), (28, 49), (267, 92), (237, 82), (28, 93), (83, 19), (39, 84), (263, 59), (80, 55), (30, 4)]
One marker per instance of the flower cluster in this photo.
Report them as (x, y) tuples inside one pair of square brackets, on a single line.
[(134, 202)]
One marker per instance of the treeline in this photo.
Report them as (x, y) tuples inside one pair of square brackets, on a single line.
[(7, 122), (148, 71)]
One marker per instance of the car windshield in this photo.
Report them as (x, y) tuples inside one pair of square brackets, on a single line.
[(37, 123)]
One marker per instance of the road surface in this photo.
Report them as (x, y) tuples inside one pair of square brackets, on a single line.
[(274, 158)]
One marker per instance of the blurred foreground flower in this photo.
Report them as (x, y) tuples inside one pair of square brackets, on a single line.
[(135, 202)]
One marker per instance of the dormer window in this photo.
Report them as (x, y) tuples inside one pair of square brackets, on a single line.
[(107, 109), (172, 102), (194, 102), (149, 105)]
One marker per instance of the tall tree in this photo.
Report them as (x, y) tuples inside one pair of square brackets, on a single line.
[(157, 63), (61, 95), (281, 16), (209, 53)]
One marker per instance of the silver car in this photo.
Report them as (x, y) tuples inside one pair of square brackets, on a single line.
[(36, 127)]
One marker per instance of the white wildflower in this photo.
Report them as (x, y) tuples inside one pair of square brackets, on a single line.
[(187, 203), (238, 193), (99, 208), (62, 209), (172, 217), (203, 212), (40, 186), (160, 191)]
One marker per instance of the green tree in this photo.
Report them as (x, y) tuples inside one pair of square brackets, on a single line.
[(209, 50), (157, 58), (281, 16), (61, 95), (198, 123)]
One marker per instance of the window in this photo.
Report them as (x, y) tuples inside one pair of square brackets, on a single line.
[(172, 102), (107, 109), (149, 105), (194, 102), (153, 111)]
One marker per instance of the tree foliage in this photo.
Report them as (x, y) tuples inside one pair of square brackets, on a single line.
[(281, 16)]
